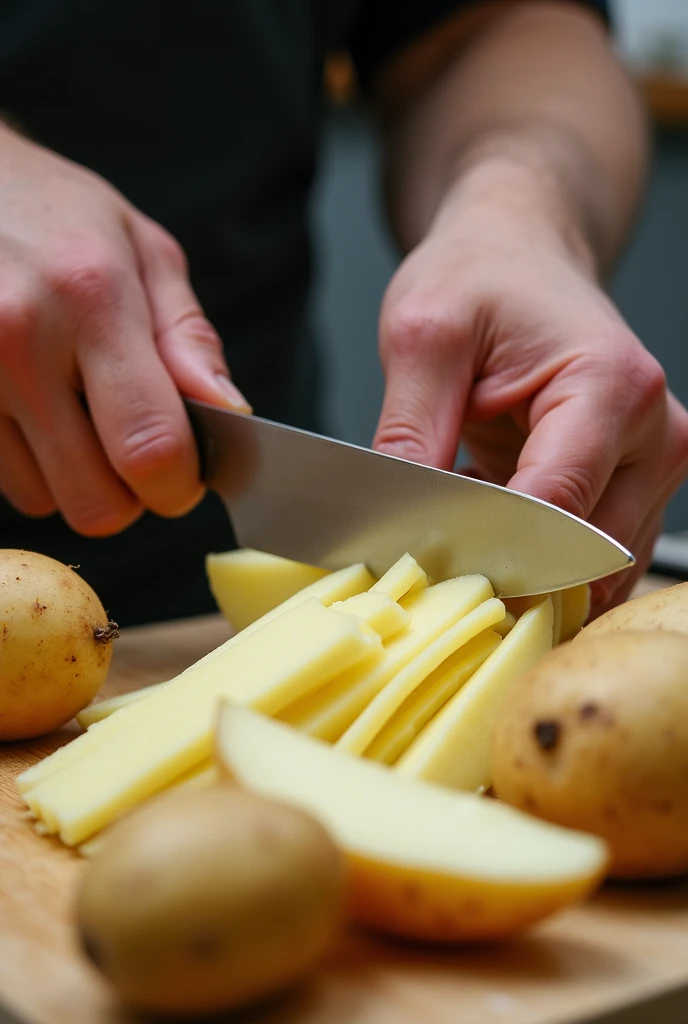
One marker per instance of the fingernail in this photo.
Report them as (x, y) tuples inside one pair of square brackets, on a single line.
[(231, 394)]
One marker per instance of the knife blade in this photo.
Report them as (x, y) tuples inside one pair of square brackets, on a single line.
[(329, 503)]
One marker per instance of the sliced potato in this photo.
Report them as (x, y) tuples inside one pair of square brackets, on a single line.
[(171, 732), (374, 717), (425, 862), (454, 747), (247, 583), (327, 713), (433, 693)]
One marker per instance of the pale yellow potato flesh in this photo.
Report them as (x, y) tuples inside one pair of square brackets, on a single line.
[(425, 861), (378, 611), (336, 586), (200, 777), (417, 710), (329, 588), (506, 625), (403, 576), (374, 717), (247, 583), (328, 712), (575, 608), (171, 732), (454, 747)]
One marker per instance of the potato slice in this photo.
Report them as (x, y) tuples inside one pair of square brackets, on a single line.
[(454, 747), (330, 711), (372, 719), (506, 625), (425, 862), (248, 583), (336, 586), (201, 776), (403, 576), (570, 607), (378, 611), (331, 588), (171, 732), (575, 608), (433, 693)]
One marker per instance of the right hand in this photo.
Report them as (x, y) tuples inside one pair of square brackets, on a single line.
[(100, 335)]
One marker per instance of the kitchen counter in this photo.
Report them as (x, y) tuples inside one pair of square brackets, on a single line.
[(622, 958)]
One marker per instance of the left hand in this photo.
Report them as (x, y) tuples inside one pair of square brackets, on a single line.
[(494, 333)]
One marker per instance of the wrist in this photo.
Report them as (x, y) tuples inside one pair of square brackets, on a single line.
[(494, 190)]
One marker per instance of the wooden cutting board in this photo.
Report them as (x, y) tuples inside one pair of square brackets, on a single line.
[(623, 957)]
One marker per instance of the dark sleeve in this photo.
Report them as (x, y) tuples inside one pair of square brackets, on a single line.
[(384, 27)]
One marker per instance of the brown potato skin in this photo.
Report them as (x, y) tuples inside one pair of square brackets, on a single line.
[(206, 900), (595, 737), (52, 662), (665, 610)]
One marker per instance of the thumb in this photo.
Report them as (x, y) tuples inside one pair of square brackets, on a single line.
[(187, 342), (428, 377)]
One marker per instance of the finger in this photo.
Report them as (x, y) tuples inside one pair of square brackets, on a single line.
[(428, 376), (632, 507), (623, 513), (188, 343), (570, 455), (135, 406), (604, 597), (21, 481), (92, 498)]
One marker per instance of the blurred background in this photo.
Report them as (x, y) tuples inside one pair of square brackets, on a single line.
[(356, 258)]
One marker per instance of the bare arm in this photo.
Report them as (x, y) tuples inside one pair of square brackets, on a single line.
[(516, 150), (530, 94)]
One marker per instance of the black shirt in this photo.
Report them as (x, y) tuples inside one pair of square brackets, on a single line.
[(206, 116)]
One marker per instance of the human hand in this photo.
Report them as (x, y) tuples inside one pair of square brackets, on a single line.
[(495, 333), (100, 334)]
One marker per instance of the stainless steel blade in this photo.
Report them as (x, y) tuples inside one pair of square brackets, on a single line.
[(331, 504)]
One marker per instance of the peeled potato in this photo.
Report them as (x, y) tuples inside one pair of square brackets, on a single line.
[(595, 737), (208, 899), (55, 644), (661, 609)]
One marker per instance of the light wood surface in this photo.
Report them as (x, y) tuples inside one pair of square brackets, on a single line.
[(602, 961)]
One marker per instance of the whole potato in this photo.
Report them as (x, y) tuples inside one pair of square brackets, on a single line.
[(55, 644), (595, 737), (206, 900), (661, 609)]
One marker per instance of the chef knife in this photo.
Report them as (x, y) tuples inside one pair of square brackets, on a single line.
[(328, 503)]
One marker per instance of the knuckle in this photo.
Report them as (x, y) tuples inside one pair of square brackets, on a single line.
[(18, 316), (576, 493), (647, 380), (89, 275), (411, 326), (150, 449), (201, 332), (168, 247), (637, 376), (405, 438), (90, 517)]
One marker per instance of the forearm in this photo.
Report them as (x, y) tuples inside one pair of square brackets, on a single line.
[(534, 112)]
